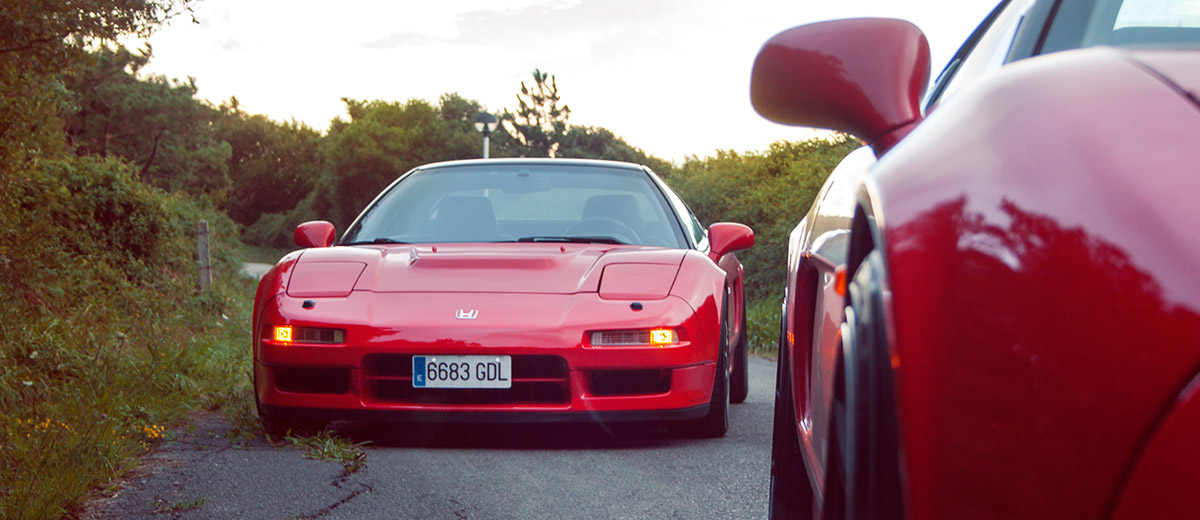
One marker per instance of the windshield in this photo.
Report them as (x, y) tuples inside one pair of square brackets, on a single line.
[(521, 203), (1125, 23)]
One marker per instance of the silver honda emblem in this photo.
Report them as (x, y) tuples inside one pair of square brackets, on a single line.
[(466, 314)]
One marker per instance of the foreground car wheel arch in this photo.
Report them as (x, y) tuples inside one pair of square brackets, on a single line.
[(865, 475)]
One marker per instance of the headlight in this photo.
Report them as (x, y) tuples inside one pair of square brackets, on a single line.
[(659, 337), (287, 334)]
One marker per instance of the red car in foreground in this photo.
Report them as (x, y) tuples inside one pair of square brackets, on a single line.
[(994, 310), (508, 290)]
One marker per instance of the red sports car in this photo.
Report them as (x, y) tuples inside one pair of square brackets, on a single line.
[(508, 290), (994, 310)]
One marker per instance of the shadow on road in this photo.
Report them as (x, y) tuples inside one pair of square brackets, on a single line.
[(509, 436)]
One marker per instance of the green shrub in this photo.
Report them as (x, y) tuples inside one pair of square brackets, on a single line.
[(770, 192), (107, 338)]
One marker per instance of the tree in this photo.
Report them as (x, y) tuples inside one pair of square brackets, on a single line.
[(540, 123), (154, 123), (272, 166), (585, 142), (38, 41)]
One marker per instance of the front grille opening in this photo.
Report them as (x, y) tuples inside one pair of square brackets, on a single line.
[(312, 380), (535, 380), (521, 392), (629, 382)]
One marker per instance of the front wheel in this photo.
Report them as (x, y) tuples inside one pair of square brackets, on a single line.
[(865, 440)]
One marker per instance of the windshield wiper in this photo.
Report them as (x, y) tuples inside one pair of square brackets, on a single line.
[(572, 240), (381, 240)]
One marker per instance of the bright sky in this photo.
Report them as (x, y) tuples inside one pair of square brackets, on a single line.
[(669, 76)]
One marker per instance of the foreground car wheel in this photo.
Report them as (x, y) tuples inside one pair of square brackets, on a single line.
[(864, 443), (791, 492)]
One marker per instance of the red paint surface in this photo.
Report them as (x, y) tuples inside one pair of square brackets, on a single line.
[(863, 76), (1163, 484), (531, 298), (317, 233), (1046, 285), (1044, 269)]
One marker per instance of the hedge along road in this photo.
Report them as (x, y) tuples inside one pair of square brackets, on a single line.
[(463, 471)]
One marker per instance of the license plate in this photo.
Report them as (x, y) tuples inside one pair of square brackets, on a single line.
[(462, 371)]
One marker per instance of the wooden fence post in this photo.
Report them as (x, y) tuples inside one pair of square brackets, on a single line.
[(205, 257)]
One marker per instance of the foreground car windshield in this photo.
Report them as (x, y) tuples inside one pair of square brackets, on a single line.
[(521, 203), (1124, 23)]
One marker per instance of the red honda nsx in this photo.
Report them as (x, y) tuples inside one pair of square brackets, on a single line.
[(521, 290), (994, 310)]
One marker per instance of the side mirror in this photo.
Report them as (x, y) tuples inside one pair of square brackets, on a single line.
[(861, 76), (316, 233), (727, 237)]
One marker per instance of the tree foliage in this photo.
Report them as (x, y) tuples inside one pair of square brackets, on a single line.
[(362, 155), (585, 142), (154, 123), (272, 166), (540, 122), (382, 141), (769, 191), (98, 265), (40, 40)]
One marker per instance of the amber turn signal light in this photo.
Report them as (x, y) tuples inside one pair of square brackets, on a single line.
[(662, 337)]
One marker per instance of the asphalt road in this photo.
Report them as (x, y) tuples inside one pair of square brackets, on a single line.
[(463, 471)]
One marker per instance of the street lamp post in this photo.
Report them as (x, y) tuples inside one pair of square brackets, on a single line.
[(486, 123)]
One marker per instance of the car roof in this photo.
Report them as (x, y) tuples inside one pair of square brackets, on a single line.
[(539, 161)]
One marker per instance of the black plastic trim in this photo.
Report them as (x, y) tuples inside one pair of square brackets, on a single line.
[(288, 412)]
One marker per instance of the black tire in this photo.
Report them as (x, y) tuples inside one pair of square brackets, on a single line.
[(739, 383), (791, 491), (716, 422), (864, 441)]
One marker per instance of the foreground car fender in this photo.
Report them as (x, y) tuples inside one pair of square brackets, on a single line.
[(1044, 286), (1021, 326), (1161, 484)]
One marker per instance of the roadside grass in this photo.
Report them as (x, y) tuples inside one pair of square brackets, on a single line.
[(762, 327), (107, 341), (178, 507), (264, 255), (108, 387), (326, 445)]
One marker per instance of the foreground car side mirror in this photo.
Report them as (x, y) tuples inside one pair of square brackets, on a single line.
[(728, 237), (861, 76), (316, 233)]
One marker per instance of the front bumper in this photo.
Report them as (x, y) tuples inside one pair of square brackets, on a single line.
[(557, 375)]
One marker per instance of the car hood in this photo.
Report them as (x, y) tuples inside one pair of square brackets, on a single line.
[(542, 268), (1180, 69)]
